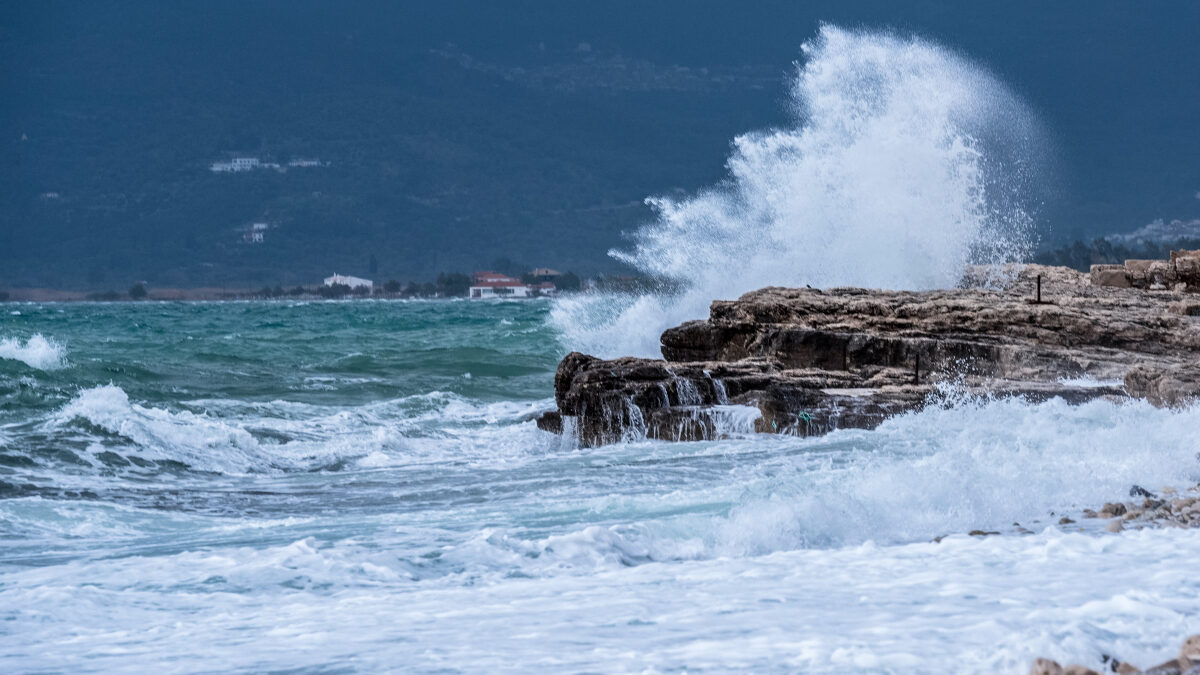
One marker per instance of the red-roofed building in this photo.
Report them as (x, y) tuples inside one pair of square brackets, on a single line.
[(496, 285)]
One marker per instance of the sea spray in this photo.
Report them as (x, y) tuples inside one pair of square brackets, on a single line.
[(980, 464), (37, 352), (905, 162)]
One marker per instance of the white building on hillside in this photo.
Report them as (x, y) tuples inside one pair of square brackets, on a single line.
[(496, 285), (255, 233), (352, 282), (236, 164), (240, 164)]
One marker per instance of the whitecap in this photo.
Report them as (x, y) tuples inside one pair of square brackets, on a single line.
[(37, 352)]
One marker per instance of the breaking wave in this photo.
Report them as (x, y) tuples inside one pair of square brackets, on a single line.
[(234, 437), (201, 442), (905, 163), (943, 471), (36, 352)]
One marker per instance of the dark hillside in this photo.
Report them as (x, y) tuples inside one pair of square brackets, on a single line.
[(452, 135)]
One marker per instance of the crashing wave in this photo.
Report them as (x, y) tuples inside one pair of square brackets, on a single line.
[(36, 352), (905, 163)]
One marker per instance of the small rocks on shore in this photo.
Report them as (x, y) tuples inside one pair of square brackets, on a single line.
[(1164, 509), (1187, 663)]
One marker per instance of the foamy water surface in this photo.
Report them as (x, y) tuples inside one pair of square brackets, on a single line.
[(202, 506), (360, 486)]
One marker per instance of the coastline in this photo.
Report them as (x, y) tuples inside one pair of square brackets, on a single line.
[(40, 295), (808, 361)]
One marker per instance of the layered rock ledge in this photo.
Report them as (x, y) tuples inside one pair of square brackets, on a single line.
[(807, 361)]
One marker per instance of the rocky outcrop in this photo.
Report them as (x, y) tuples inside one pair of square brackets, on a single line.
[(1180, 272), (1187, 663), (809, 360), (1167, 508)]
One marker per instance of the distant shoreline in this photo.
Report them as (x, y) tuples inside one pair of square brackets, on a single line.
[(57, 295), (22, 295), (19, 296)]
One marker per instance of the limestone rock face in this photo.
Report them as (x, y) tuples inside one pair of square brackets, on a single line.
[(1046, 667), (1110, 275), (1189, 654), (812, 360), (1181, 271)]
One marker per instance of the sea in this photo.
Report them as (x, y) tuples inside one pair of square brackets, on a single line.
[(360, 486)]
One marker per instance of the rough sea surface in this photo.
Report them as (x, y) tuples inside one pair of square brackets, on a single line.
[(359, 487)]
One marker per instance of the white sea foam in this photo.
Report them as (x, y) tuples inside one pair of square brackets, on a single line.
[(983, 465), (973, 466), (964, 605), (236, 437), (203, 442), (37, 352), (903, 165), (739, 555)]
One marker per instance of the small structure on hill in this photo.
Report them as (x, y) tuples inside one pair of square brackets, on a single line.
[(241, 164), (255, 233), (544, 274), (235, 165)]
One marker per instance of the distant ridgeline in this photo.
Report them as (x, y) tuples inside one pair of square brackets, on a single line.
[(152, 163), (235, 144)]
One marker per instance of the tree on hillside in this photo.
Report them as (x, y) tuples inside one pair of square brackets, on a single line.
[(567, 282), (506, 265), (333, 291), (453, 285)]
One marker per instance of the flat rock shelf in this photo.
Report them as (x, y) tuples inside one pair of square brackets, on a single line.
[(807, 361)]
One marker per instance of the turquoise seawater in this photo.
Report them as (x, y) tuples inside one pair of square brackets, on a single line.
[(360, 487)]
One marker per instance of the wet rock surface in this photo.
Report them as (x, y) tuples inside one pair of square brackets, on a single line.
[(1187, 663), (810, 360), (1167, 508)]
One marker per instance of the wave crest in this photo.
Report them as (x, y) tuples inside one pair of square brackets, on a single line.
[(904, 164), (37, 352)]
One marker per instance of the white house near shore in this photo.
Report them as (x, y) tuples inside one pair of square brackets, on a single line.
[(236, 164), (240, 164), (496, 285), (352, 282)]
